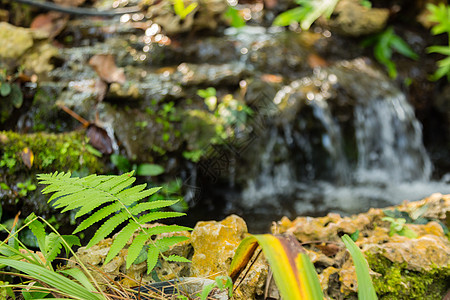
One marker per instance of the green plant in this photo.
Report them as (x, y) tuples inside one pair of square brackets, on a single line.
[(293, 272), (25, 187), (181, 10), (38, 265), (440, 14), (123, 165), (120, 205), (398, 227), (230, 113), (234, 18), (9, 90), (308, 12), (385, 43), (222, 283)]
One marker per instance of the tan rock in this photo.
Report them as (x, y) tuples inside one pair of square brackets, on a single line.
[(353, 19), (15, 41), (215, 244)]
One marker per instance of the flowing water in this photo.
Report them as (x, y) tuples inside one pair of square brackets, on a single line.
[(302, 172)]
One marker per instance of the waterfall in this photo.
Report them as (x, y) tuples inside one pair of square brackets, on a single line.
[(389, 141), (343, 140)]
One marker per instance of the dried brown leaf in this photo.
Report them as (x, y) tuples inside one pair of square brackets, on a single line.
[(106, 68)]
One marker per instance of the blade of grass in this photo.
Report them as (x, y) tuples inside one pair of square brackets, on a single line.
[(366, 290)]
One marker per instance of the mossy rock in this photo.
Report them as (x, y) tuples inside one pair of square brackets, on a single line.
[(51, 152), (398, 282)]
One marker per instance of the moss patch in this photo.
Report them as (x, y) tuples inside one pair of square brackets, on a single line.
[(52, 152), (397, 282)]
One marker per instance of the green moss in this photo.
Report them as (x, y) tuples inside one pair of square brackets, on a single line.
[(397, 282), (52, 152)]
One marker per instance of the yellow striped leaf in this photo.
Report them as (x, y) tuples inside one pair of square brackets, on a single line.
[(294, 274)]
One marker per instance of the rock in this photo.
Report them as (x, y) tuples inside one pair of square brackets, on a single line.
[(38, 59), (214, 245), (253, 283), (206, 16), (422, 265), (26, 47), (15, 41), (352, 19)]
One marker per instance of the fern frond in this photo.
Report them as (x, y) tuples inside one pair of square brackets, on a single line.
[(177, 258), (120, 204)]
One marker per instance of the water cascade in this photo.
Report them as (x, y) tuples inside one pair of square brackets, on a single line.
[(342, 140)]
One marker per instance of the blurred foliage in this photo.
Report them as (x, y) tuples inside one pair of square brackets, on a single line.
[(308, 12), (385, 43), (440, 15)]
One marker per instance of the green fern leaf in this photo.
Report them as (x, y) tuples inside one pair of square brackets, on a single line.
[(53, 246), (166, 228), (177, 258), (108, 227), (136, 247), (163, 244), (150, 217), (152, 205), (38, 229), (121, 240), (98, 216), (130, 196), (152, 258)]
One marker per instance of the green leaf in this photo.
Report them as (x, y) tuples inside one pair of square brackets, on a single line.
[(53, 279), (121, 240), (5, 89), (152, 258), (38, 230), (177, 258), (290, 16), (149, 170), (136, 247), (16, 96), (121, 162), (209, 92), (366, 290), (445, 50), (293, 272), (403, 48), (233, 16), (78, 275), (206, 290)]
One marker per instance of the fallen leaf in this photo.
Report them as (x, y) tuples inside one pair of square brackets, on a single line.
[(51, 23), (27, 157), (329, 249), (99, 138), (106, 68), (315, 60), (270, 3), (271, 78)]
